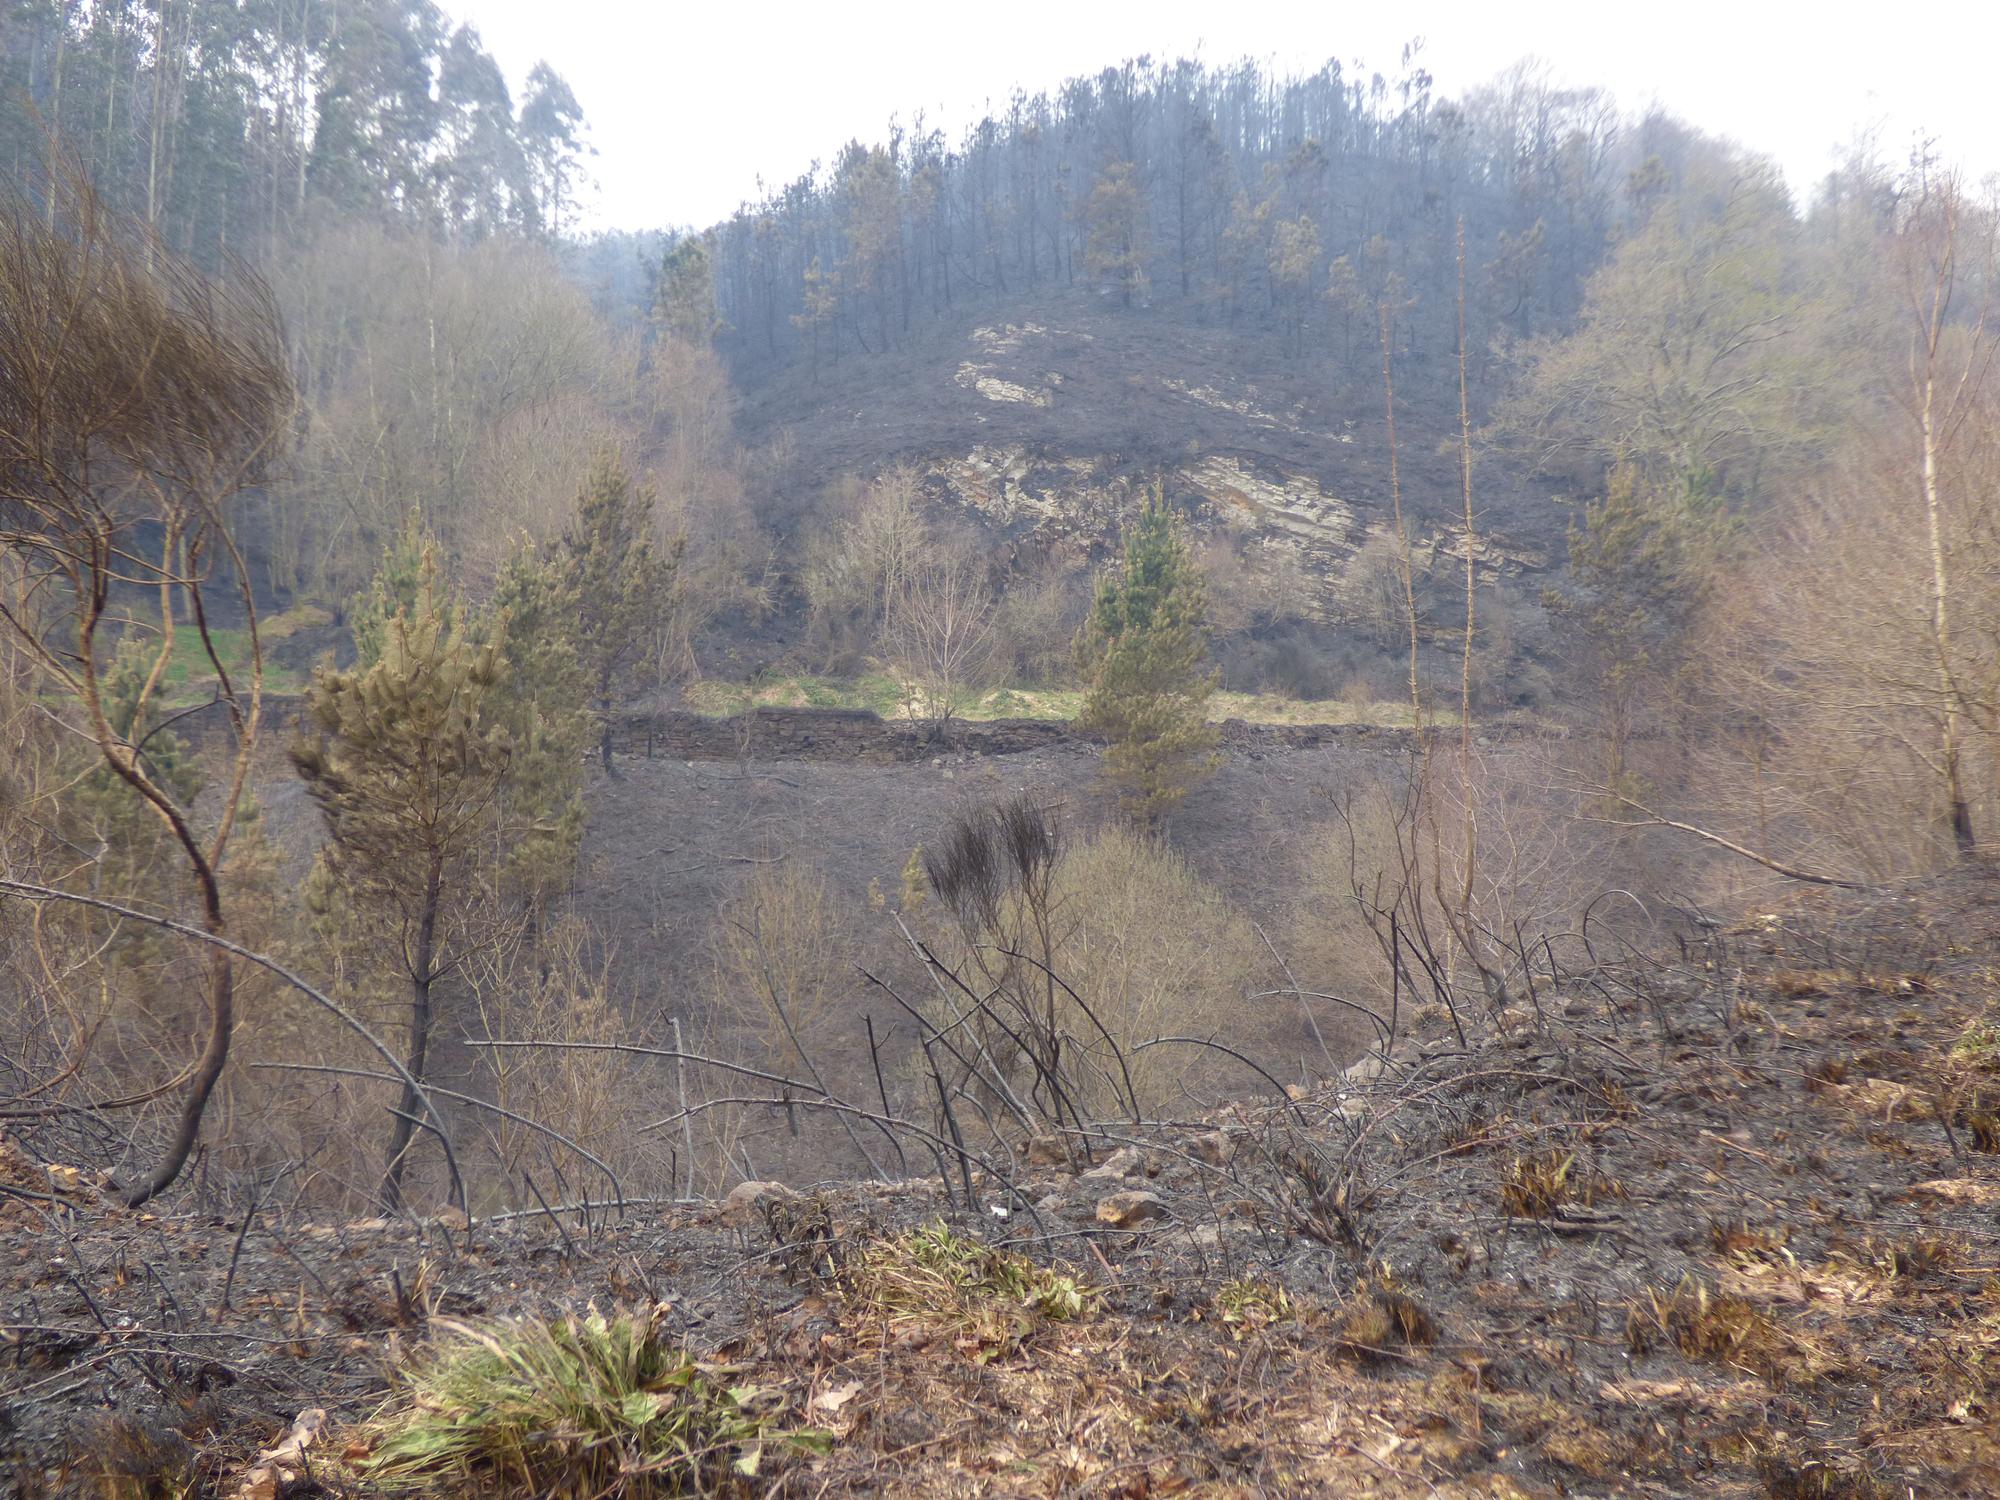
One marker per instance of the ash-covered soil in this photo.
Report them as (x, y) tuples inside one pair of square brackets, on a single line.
[(668, 840), (1714, 1219)]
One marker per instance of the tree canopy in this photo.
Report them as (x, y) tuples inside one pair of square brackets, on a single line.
[(1144, 657)]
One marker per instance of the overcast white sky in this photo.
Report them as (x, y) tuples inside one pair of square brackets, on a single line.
[(689, 103)]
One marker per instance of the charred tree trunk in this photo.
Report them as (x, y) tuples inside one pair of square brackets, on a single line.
[(423, 976)]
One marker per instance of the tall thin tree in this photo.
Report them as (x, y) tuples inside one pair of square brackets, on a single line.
[(1948, 361)]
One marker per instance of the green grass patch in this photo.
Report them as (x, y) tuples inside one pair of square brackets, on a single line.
[(1270, 708), (189, 677), (592, 1405), (877, 692)]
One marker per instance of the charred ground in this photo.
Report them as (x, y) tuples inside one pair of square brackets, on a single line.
[(1710, 1217)]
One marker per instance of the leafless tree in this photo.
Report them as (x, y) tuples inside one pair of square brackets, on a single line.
[(137, 399), (940, 630)]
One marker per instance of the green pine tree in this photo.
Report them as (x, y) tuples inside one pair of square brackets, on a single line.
[(544, 703), (534, 621), (623, 585), (394, 587), (1144, 655), (408, 758), (684, 291)]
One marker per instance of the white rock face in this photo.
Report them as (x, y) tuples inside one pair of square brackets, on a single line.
[(1061, 501), (981, 375), (1279, 515), (995, 389), (1248, 476), (1292, 505), (1243, 406)]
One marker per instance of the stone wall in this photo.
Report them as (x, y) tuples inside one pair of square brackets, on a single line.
[(830, 734), (857, 735)]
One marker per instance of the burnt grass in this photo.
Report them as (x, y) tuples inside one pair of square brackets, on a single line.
[(1714, 1220)]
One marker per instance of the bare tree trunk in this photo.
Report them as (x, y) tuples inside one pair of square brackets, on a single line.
[(82, 544), (423, 975), (681, 1091), (604, 730), (1465, 663), (1405, 567), (299, 99), (208, 1067), (1954, 786), (159, 110), (202, 863), (1930, 250), (56, 98)]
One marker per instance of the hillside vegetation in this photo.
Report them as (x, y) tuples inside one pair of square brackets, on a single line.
[(448, 845)]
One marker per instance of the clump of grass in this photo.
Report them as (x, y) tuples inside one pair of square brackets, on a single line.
[(1588, 1450), (1902, 1261), (1748, 1244), (807, 1241), (1537, 1186), (1825, 1073), (1616, 1101), (287, 623), (128, 1459), (1563, 1435), (593, 1405), (1381, 1320), (989, 1299), (1707, 1324), (1985, 1127), (1978, 1046), (1789, 1476)]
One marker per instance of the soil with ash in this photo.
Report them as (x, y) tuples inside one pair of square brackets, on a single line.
[(669, 840), (1719, 1221)]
